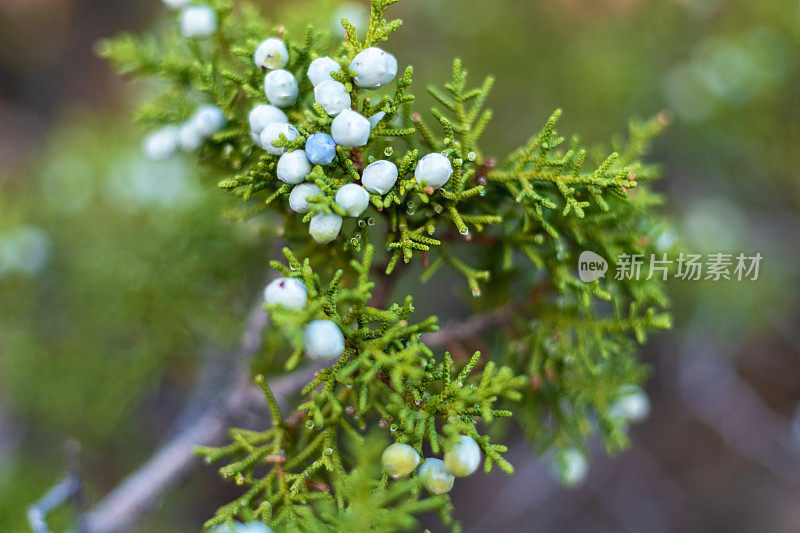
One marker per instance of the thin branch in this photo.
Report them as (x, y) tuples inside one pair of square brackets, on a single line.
[(68, 489), (470, 328), (174, 461)]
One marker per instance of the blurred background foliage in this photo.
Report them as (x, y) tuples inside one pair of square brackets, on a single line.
[(110, 294)]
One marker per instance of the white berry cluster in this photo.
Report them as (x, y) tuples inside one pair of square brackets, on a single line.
[(349, 129), (205, 122), (196, 21), (322, 339), (460, 460)]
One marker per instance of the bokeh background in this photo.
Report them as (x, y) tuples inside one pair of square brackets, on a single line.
[(117, 274)]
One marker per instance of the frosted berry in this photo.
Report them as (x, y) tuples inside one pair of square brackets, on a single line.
[(190, 137), (332, 96), (572, 467), (320, 149), (208, 119), (298, 198), (631, 404), (321, 69), (176, 4), (377, 117), (273, 132), (323, 340), (433, 170), (325, 228), (263, 115), (288, 292), (435, 476), (353, 198), (198, 21), (399, 459), (350, 129), (281, 88), (374, 68), (161, 144), (463, 458), (379, 177), (293, 167), (271, 53)]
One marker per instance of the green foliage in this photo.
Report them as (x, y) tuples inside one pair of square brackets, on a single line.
[(387, 376), (513, 231)]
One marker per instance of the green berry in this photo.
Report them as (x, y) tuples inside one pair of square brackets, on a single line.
[(463, 459), (399, 459), (435, 476)]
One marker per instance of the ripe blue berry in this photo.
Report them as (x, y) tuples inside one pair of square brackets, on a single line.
[(379, 177), (353, 198), (293, 167), (350, 129), (325, 228), (399, 460), (374, 68), (323, 340), (288, 292), (198, 21), (433, 170), (281, 88), (435, 476), (161, 144), (463, 458), (320, 149), (271, 53), (263, 115), (298, 198), (321, 69), (273, 133), (332, 96)]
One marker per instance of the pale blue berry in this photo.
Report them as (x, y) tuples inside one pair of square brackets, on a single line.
[(571, 467), (273, 133), (281, 88), (208, 119), (263, 115), (377, 117), (379, 177), (198, 21), (176, 4), (374, 68), (190, 137), (353, 198), (288, 292), (350, 129), (271, 53), (631, 405), (332, 96), (399, 459), (320, 148), (161, 144), (298, 198), (463, 458), (293, 167), (433, 170), (435, 476), (321, 69), (325, 228), (323, 340)]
